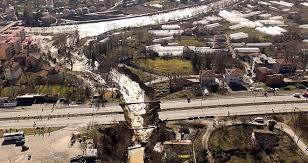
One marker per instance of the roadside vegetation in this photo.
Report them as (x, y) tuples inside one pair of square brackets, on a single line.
[(297, 121), (68, 87), (30, 131), (233, 144)]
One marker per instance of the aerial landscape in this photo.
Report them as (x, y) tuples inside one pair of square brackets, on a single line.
[(171, 81)]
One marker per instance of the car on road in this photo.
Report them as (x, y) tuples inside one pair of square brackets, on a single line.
[(297, 95), (270, 90), (259, 120), (305, 94)]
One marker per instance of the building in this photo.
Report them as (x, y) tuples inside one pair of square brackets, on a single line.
[(170, 27), (48, 19), (13, 41), (6, 51), (263, 61), (264, 139), (285, 66), (259, 45), (208, 80), (18, 32), (49, 4), (269, 76), (12, 70), (261, 73), (10, 13), (234, 76), (219, 45), (166, 50), (220, 38), (238, 36), (247, 53), (10, 42), (31, 46), (166, 33), (274, 80)]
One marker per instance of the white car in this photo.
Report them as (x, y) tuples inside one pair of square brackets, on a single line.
[(259, 120), (297, 95)]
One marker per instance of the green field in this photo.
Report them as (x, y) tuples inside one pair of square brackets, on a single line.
[(189, 41), (239, 138), (166, 66)]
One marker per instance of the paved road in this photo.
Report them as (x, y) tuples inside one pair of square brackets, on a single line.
[(300, 143), (166, 115), (36, 110)]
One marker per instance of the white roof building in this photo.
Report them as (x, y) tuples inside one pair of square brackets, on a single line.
[(170, 26), (247, 50), (166, 50), (163, 39), (271, 30), (165, 33), (239, 35)]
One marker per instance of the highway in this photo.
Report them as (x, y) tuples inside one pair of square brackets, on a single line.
[(171, 110), (46, 110)]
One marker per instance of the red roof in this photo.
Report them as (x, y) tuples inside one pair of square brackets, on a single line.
[(236, 72), (282, 61), (207, 73)]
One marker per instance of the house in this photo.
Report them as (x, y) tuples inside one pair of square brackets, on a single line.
[(212, 26), (18, 32), (219, 45), (269, 76), (206, 50), (274, 80), (208, 80), (12, 70), (264, 139), (219, 38), (238, 36), (259, 45), (32, 63), (263, 61), (166, 33), (20, 59), (234, 76), (31, 46), (166, 50), (6, 51), (170, 26), (247, 53), (285, 66), (14, 43), (261, 73), (11, 42)]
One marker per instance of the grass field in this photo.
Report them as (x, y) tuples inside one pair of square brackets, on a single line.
[(239, 137), (142, 75), (30, 131), (166, 66), (189, 41)]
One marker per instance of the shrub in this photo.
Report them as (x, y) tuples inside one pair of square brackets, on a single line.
[(289, 87), (300, 86)]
